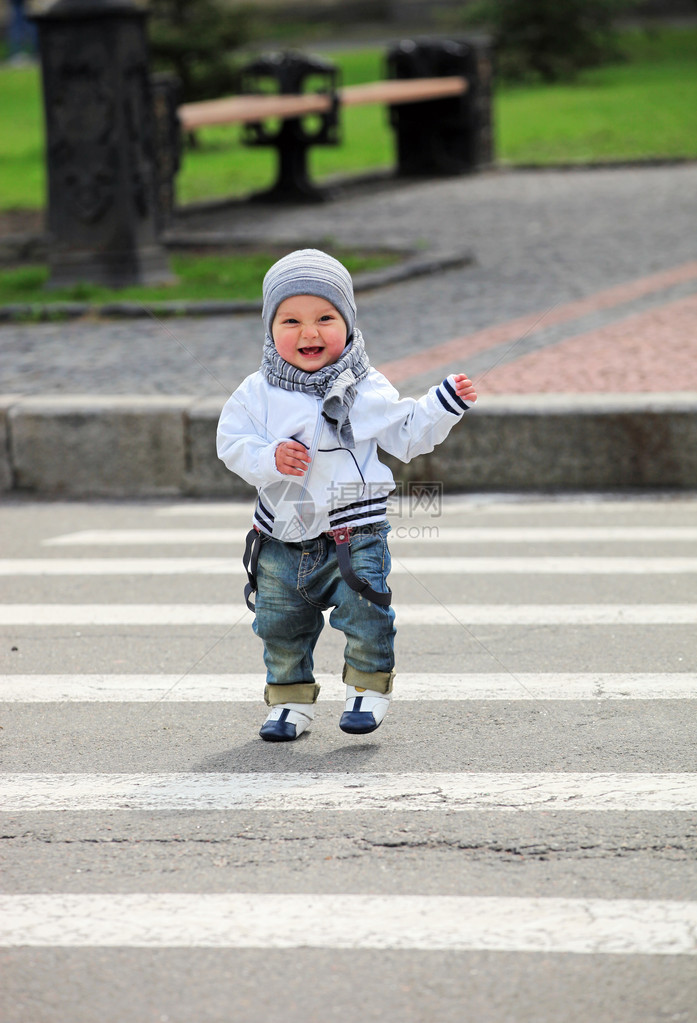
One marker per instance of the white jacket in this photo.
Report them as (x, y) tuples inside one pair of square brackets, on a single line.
[(341, 486)]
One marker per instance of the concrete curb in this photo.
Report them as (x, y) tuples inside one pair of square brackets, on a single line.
[(414, 266), (144, 446)]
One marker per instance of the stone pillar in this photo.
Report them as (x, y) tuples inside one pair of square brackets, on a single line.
[(102, 209)]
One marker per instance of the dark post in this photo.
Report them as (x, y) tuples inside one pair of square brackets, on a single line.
[(452, 135), (102, 210), (168, 144)]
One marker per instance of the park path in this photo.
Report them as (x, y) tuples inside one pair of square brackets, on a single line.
[(646, 351), (580, 281)]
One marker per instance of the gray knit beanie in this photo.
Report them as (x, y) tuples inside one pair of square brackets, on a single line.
[(309, 272)]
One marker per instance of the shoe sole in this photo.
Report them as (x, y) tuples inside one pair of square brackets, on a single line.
[(279, 735), (352, 724)]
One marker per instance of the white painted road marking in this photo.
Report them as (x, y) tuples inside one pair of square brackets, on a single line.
[(474, 504), (408, 686), (223, 509), (431, 532), (122, 566), (409, 791), (400, 566), (443, 923), (408, 614)]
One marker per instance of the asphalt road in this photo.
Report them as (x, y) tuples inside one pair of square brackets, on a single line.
[(518, 841)]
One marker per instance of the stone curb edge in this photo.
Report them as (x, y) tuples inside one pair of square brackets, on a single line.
[(87, 446), (419, 265)]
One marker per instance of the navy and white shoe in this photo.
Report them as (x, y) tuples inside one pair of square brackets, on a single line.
[(287, 721), (365, 710)]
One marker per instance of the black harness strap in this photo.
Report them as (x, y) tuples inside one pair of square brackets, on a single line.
[(250, 559), (342, 541)]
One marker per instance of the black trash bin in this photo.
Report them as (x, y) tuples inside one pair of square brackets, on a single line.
[(452, 135)]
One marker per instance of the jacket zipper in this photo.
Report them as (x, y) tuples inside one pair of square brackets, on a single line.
[(313, 452)]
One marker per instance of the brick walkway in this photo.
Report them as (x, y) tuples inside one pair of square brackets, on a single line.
[(647, 352), (642, 352)]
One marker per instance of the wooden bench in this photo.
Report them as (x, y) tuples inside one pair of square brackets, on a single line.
[(292, 142), (250, 108)]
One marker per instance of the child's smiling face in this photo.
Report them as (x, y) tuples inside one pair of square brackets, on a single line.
[(308, 332)]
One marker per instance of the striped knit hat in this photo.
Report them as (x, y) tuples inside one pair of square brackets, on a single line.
[(309, 272)]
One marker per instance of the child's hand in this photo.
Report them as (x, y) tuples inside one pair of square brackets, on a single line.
[(292, 458), (464, 387)]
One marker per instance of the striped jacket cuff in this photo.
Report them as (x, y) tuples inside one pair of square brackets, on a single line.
[(447, 396)]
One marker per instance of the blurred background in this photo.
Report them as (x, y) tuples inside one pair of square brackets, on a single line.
[(583, 82)]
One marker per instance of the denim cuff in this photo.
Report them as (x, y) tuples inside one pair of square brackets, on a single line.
[(378, 681), (292, 692)]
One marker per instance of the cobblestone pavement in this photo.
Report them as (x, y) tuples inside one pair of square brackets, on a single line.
[(582, 280)]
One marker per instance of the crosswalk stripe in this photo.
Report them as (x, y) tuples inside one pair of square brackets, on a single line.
[(231, 615), (432, 532), (120, 566), (408, 686), (474, 504), (222, 509), (400, 566), (398, 922), (408, 791)]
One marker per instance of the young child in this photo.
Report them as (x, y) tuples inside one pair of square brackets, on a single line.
[(305, 431)]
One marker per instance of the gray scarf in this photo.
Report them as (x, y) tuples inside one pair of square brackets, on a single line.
[(335, 384)]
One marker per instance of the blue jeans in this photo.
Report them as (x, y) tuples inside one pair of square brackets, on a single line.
[(296, 583)]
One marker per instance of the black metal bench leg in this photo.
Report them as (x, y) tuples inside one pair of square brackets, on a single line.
[(293, 182)]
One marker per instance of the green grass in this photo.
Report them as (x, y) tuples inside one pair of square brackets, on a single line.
[(21, 139), (643, 108), (228, 277)]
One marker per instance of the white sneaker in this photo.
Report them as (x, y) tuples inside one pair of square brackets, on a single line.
[(365, 710), (287, 721)]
